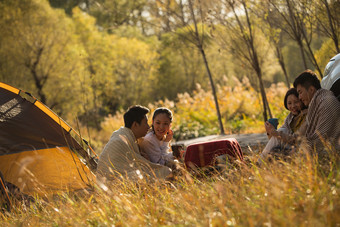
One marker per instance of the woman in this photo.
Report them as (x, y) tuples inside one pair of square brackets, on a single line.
[(294, 125), (155, 146)]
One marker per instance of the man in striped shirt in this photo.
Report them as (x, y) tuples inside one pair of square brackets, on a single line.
[(323, 117), (121, 158)]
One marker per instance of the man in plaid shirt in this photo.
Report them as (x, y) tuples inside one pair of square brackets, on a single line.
[(323, 116)]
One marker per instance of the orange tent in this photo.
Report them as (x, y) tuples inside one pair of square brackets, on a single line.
[(39, 152)]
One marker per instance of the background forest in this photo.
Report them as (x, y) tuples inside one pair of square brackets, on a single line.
[(88, 60)]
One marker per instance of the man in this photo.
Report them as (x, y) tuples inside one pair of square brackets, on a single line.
[(121, 156), (323, 116)]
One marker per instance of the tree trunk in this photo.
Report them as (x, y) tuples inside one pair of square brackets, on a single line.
[(213, 91), (312, 58), (282, 64), (297, 32), (256, 64), (309, 50), (265, 103), (299, 41), (39, 81), (200, 47)]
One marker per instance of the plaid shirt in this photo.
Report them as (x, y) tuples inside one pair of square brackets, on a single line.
[(323, 121)]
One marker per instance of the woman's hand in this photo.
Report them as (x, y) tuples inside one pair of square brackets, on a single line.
[(169, 136), (270, 129)]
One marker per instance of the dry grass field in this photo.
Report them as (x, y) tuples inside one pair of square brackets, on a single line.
[(298, 192)]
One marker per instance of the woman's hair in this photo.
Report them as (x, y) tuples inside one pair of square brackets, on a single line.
[(161, 110), (291, 91)]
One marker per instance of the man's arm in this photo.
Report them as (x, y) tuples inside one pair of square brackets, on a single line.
[(326, 122)]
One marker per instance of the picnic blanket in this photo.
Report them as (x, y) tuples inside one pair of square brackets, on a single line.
[(205, 153)]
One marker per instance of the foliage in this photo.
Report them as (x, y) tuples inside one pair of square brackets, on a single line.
[(67, 5), (97, 54), (194, 115), (114, 13), (240, 109), (328, 22), (325, 53), (301, 192), (86, 68), (180, 68), (40, 54)]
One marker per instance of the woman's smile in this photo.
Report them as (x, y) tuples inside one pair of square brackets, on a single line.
[(161, 125)]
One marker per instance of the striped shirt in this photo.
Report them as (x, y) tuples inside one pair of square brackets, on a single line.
[(121, 157), (323, 121)]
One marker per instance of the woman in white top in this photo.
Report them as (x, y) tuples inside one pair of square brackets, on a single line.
[(155, 146)]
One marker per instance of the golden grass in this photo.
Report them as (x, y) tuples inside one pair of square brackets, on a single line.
[(300, 192)]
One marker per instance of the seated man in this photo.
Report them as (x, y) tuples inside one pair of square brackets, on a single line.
[(121, 156), (323, 116)]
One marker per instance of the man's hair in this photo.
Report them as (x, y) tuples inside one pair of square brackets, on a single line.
[(135, 114), (306, 79)]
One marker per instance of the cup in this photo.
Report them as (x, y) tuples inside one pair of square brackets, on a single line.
[(274, 122), (177, 150)]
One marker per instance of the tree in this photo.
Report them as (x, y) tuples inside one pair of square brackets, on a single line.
[(40, 54), (111, 14), (180, 68), (68, 5), (273, 32), (98, 57), (190, 15), (136, 67), (125, 64), (241, 42), (327, 16), (299, 25)]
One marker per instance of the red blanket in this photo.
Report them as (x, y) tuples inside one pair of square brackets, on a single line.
[(204, 154)]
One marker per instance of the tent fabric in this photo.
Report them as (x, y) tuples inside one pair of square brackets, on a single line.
[(46, 171), (28, 128), (22, 121)]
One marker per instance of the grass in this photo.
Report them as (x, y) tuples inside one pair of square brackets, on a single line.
[(300, 192)]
